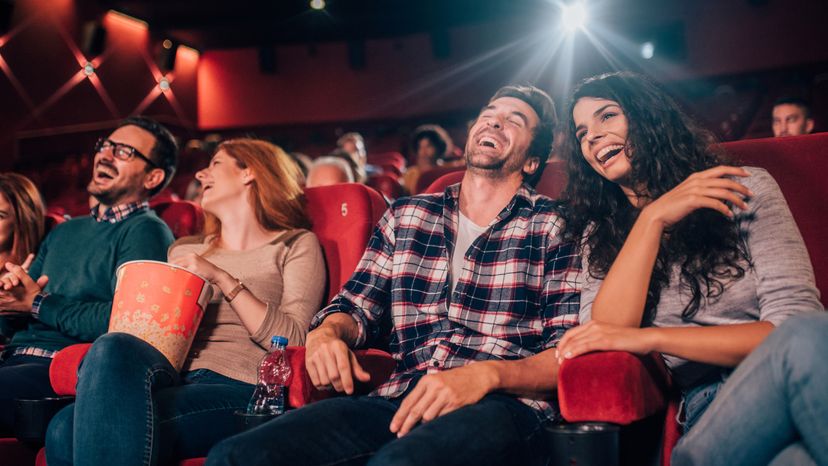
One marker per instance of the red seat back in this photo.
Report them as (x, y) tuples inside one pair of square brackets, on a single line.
[(799, 164), (386, 184), (343, 217), (184, 218), (440, 184), (394, 159), (427, 178), (553, 179)]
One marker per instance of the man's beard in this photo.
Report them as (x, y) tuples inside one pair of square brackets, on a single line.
[(490, 167), (108, 196)]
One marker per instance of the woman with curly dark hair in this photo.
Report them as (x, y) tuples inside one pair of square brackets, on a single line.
[(682, 254)]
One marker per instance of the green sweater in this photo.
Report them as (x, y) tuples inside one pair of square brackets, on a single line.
[(80, 258)]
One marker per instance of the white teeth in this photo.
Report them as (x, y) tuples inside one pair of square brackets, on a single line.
[(486, 139), (606, 150)]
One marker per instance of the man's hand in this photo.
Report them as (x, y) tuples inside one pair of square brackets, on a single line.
[(602, 336), (330, 363), (20, 297), (442, 393)]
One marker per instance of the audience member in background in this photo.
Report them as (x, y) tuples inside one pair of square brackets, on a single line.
[(430, 145), (304, 163), (269, 278), (354, 146), (69, 295), (792, 117), (194, 191), (687, 257), (468, 333), (329, 170), (21, 228)]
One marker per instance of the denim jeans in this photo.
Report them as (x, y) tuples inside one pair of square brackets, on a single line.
[(354, 431), (133, 408), (773, 408), (696, 400), (21, 377)]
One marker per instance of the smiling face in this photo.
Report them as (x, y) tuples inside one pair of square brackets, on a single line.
[(499, 140), (601, 128), (223, 183), (116, 181), (791, 120)]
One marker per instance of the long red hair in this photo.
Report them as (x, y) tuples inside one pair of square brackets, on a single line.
[(276, 196), (29, 214)]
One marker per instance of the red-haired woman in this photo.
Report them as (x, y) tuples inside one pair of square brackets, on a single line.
[(268, 275)]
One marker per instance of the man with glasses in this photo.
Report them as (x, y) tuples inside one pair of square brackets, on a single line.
[(67, 292)]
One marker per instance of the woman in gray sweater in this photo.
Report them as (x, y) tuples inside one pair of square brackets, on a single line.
[(682, 254), (268, 278)]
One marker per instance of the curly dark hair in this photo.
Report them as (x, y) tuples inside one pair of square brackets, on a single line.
[(666, 147)]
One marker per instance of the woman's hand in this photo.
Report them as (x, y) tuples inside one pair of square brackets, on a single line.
[(707, 189), (199, 265), (602, 336)]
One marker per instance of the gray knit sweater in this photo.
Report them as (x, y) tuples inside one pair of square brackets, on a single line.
[(780, 283), (288, 274)]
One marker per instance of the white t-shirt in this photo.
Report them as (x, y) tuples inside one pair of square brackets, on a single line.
[(467, 232)]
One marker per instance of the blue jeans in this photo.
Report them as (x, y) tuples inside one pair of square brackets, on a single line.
[(354, 431), (21, 377), (696, 400), (133, 408), (773, 408)]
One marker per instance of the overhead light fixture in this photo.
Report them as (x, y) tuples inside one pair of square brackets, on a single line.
[(317, 4), (88, 69), (647, 50), (574, 16), (164, 84)]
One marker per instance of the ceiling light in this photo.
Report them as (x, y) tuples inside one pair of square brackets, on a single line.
[(164, 84), (88, 69), (574, 16), (647, 50), (317, 4)]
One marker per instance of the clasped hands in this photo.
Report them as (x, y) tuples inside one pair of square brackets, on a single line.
[(17, 289), (332, 365)]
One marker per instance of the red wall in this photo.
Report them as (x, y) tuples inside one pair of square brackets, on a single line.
[(402, 78), (49, 107)]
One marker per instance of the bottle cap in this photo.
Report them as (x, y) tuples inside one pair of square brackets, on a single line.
[(278, 340)]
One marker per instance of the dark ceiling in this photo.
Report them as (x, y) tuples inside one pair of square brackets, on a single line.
[(209, 24)]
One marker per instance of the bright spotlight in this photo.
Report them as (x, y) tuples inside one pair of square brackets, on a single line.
[(88, 69), (164, 84), (647, 50), (574, 16), (317, 4)]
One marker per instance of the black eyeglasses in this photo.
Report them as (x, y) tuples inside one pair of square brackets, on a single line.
[(122, 151)]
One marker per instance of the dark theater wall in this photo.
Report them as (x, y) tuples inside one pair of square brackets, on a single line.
[(51, 108), (402, 78)]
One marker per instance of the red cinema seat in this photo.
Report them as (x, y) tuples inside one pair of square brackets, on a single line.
[(391, 159), (184, 218), (388, 185), (428, 177), (440, 184)]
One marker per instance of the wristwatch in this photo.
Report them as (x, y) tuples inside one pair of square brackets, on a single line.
[(229, 297)]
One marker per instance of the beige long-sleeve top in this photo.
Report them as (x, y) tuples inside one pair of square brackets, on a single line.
[(288, 274)]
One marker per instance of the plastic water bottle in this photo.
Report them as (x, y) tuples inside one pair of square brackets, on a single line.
[(274, 372)]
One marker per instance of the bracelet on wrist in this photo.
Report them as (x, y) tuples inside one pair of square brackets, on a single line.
[(229, 297)]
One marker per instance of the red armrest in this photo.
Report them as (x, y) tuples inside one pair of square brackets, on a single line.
[(612, 386), (64, 372), (301, 391)]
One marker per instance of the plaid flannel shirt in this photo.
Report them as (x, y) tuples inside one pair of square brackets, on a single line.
[(516, 296)]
